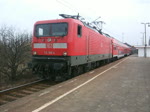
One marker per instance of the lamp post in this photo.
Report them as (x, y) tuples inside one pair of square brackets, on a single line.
[(145, 53), (143, 38)]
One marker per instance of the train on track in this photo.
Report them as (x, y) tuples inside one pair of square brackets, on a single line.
[(70, 46)]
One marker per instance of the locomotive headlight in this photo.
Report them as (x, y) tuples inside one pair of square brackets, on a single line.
[(34, 53), (65, 54)]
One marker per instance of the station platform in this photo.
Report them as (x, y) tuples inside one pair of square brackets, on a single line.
[(121, 86)]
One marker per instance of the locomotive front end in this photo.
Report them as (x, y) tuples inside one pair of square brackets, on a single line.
[(50, 48)]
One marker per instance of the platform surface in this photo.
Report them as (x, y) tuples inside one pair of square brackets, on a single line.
[(122, 86)]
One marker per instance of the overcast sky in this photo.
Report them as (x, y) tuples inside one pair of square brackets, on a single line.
[(122, 17)]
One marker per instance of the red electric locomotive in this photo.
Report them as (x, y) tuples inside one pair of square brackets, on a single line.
[(69, 46)]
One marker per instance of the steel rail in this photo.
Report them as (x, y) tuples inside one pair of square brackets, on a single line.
[(20, 86)]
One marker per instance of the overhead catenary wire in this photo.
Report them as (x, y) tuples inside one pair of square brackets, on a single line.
[(68, 5), (72, 7), (76, 9)]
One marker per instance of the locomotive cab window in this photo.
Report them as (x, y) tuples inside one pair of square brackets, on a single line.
[(51, 29), (79, 31), (42, 30)]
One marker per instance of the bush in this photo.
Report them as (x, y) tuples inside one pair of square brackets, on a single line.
[(15, 52)]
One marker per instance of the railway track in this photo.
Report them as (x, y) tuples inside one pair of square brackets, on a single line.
[(15, 93)]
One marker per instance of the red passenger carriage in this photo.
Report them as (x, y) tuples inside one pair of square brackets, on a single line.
[(119, 49)]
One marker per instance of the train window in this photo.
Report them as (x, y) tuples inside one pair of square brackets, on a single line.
[(115, 48), (42, 30), (51, 29), (59, 29), (79, 32)]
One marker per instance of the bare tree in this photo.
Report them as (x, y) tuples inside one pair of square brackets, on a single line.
[(14, 51)]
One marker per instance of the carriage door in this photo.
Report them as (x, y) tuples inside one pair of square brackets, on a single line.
[(87, 46)]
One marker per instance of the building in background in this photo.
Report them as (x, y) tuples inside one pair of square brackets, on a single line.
[(141, 51)]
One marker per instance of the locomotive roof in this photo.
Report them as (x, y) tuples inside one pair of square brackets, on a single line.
[(58, 20)]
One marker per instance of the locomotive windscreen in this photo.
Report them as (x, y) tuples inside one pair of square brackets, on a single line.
[(51, 29)]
